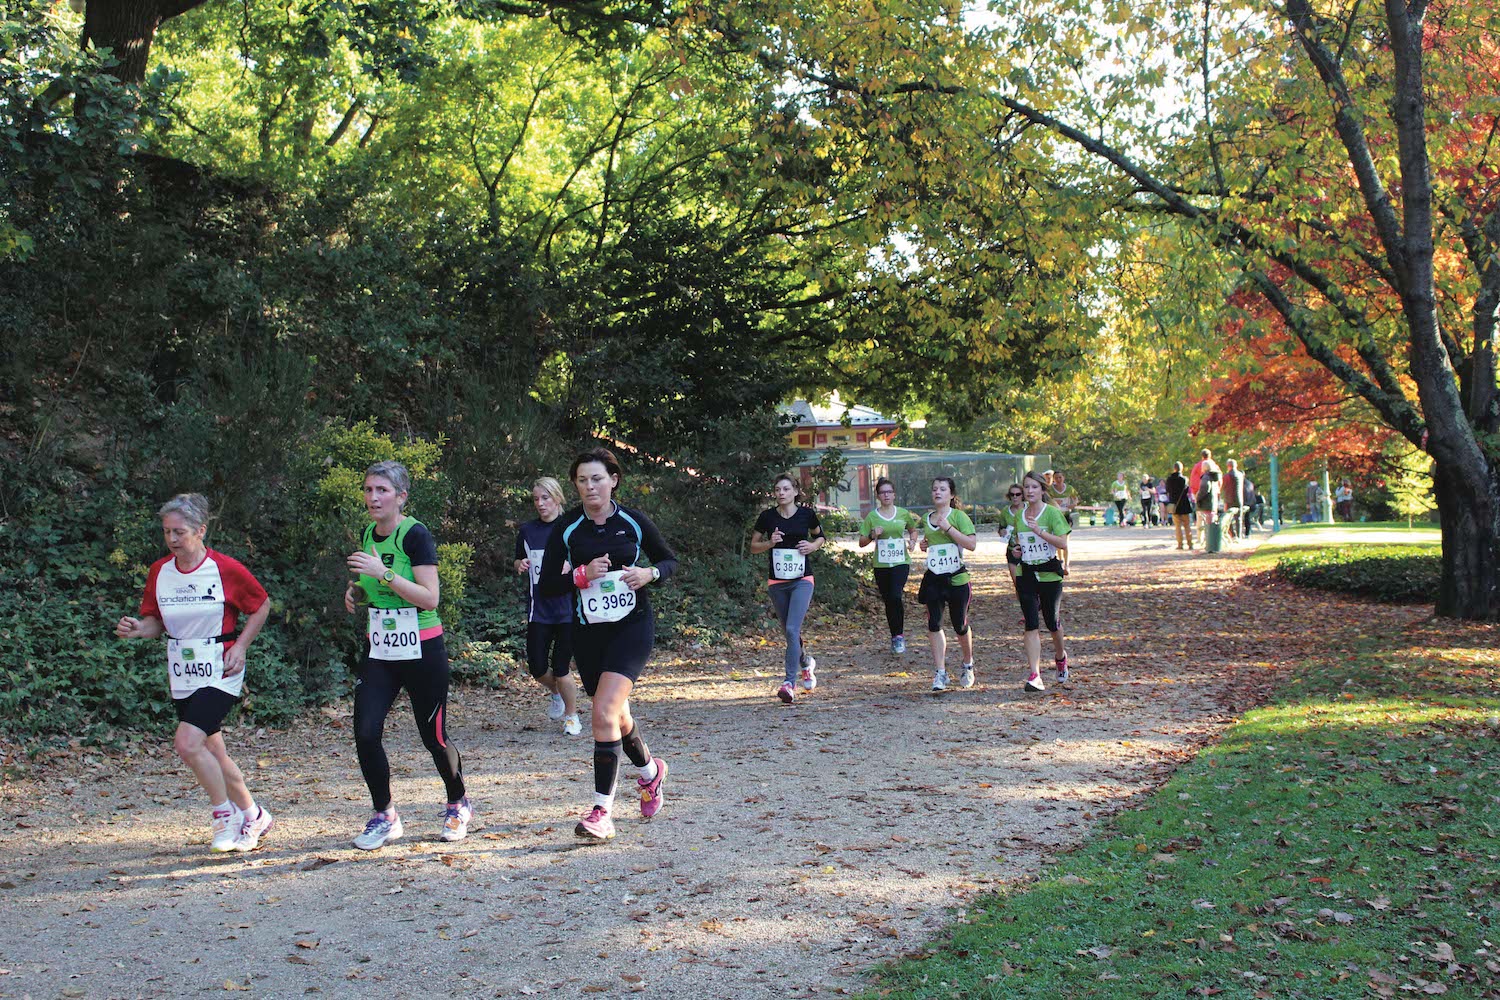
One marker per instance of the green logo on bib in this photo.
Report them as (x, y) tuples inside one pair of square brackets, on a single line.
[(608, 586), (187, 654), (389, 624)]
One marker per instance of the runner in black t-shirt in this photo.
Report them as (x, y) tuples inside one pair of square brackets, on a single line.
[(789, 533)]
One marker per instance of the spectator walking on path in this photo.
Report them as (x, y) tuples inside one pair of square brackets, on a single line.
[(1343, 500), (1180, 497), (1205, 480), (1233, 495), (1314, 501)]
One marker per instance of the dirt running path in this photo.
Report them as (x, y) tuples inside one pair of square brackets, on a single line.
[(798, 845)]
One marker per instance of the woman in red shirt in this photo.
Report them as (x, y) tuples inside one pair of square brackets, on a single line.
[(195, 597)]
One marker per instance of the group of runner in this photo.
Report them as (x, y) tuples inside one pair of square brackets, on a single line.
[(588, 604)]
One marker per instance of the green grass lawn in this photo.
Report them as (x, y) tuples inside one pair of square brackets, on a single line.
[(1386, 561), (1342, 842)]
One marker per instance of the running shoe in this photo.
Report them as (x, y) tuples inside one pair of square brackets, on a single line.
[(652, 795), (555, 708), (596, 826), (456, 820), (226, 829), (807, 678), (251, 830), (1062, 669), (787, 693), (382, 828), (898, 644), (571, 725), (940, 680), (1034, 682), (966, 676)]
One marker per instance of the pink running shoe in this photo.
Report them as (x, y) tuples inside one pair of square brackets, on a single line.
[(652, 796), (787, 693), (596, 826), (1062, 669)]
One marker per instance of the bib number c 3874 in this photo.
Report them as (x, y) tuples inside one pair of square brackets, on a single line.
[(194, 664), (788, 564), (607, 599), (394, 634)]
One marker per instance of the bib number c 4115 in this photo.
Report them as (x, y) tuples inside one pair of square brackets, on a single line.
[(943, 558), (788, 564), (607, 599), (194, 664), (394, 634), (890, 551), (1035, 549)]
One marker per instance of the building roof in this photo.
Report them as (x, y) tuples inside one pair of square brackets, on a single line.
[(832, 415)]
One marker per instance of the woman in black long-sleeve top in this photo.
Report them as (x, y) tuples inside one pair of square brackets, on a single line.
[(613, 628)]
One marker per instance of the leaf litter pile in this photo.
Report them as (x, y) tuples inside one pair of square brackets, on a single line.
[(800, 845)]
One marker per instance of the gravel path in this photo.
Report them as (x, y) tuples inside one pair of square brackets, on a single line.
[(798, 845)]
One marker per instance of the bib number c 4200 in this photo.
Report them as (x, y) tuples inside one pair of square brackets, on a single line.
[(788, 564), (607, 599), (943, 558), (890, 551), (194, 664), (394, 634)]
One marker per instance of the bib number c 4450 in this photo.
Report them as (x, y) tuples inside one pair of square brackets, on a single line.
[(194, 664), (943, 558), (788, 564), (394, 634), (607, 599)]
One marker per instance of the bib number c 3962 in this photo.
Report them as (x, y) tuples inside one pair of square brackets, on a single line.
[(607, 599)]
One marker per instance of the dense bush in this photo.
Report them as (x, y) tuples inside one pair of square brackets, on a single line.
[(1397, 573)]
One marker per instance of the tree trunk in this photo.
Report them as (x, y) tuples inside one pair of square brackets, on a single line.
[(1470, 586), (127, 28)]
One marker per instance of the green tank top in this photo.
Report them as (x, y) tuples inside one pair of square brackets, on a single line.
[(393, 554)]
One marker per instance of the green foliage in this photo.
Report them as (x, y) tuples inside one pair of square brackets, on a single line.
[(1384, 572)]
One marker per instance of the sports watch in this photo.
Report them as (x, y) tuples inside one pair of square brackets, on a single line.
[(387, 577)]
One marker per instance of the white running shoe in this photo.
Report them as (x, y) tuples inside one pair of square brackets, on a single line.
[(966, 676), (251, 830), (807, 678), (226, 830), (940, 680), (456, 820), (555, 708), (1034, 683), (379, 831), (571, 725), (898, 644)]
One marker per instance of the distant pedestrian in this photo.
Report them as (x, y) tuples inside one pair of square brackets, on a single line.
[(1062, 496), (1343, 500), (1314, 501), (1180, 498), (1147, 494), (1119, 491), (1205, 480), (1233, 495), (1163, 501), (1251, 502)]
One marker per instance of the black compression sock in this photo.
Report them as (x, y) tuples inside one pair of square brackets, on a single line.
[(635, 748), (606, 766)]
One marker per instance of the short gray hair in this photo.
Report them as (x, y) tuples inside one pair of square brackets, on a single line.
[(191, 507), (393, 471)]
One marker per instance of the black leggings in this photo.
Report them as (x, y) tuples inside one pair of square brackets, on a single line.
[(957, 599), (375, 691), (1120, 511), (1039, 599), (548, 649), (890, 581), (1148, 508)]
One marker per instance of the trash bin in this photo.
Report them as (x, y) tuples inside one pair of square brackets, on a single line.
[(1213, 537)]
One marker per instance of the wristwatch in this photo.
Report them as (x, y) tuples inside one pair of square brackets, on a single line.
[(655, 574), (387, 577)]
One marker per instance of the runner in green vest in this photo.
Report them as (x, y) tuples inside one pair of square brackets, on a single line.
[(947, 533)]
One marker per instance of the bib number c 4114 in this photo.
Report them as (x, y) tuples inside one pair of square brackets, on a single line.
[(394, 634), (607, 599), (194, 664), (788, 564), (943, 558), (890, 551)]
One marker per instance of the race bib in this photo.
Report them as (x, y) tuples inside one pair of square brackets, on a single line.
[(890, 551), (1005, 535), (1035, 549), (194, 664), (394, 634), (788, 564), (535, 555), (607, 599), (943, 558)]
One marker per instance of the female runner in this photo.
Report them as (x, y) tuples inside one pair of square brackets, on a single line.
[(398, 579), (893, 530), (613, 628), (947, 532), (549, 631), (791, 533), (195, 597), (1040, 542)]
